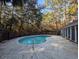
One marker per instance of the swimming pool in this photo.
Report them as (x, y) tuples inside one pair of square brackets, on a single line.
[(33, 40)]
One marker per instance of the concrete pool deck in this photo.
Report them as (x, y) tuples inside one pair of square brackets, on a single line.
[(56, 47)]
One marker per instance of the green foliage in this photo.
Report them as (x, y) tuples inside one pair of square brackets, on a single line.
[(23, 19), (19, 19), (63, 10)]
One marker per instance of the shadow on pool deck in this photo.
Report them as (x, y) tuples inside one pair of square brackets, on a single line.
[(55, 47)]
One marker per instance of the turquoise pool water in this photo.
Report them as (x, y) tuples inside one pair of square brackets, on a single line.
[(33, 40)]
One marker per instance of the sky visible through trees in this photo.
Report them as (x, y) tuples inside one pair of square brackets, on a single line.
[(20, 16)]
